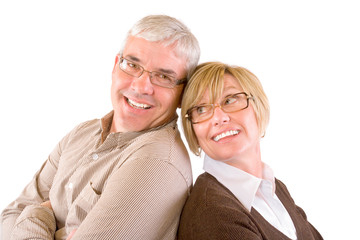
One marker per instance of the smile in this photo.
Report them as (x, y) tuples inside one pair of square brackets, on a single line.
[(226, 134), (137, 105)]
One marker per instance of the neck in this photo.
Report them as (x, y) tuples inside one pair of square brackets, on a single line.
[(113, 127), (250, 162)]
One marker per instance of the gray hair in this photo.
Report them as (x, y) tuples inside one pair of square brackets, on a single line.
[(162, 28)]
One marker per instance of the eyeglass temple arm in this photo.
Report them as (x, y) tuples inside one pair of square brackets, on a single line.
[(181, 81)]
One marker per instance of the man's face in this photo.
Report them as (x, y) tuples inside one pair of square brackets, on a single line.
[(137, 103)]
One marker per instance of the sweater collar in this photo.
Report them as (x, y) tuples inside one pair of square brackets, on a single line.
[(242, 184)]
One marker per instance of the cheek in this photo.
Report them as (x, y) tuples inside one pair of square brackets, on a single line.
[(170, 100), (114, 90), (118, 84), (201, 132), (252, 126)]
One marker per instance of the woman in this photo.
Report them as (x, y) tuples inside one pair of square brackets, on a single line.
[(225, 113)]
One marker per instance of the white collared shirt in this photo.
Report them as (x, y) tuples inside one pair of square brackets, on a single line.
[(254, 192)]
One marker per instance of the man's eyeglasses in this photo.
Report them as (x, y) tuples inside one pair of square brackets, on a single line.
[(232, 103), (156, 78)]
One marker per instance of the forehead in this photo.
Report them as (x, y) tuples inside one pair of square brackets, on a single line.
[(155, 56), (230, 85)]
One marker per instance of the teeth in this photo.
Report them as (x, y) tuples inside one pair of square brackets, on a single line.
[(138, 105), (225, 134)]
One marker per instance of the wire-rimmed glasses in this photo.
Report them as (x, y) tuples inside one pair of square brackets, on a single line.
[(157, 78), (232, 103)]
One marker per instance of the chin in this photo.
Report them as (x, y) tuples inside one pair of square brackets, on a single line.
[(220, 157)]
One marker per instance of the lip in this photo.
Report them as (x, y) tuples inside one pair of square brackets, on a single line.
[(225, 134), (136, 104)]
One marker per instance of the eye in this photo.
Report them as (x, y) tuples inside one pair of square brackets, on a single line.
[(132, 65), (129, 66), (231, 100), (201, 110), (163, 78)]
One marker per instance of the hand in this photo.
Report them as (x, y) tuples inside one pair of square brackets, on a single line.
[(71, 234), (46, 204)]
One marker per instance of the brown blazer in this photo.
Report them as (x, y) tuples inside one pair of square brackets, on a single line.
[(213, 212)]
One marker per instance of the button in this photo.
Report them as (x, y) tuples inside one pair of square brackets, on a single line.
[(95, 156), (70, 185)]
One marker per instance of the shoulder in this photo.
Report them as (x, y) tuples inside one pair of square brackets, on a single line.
[(86, 127), (166, 135), (208, 194), (164, 149), (80, 132), (209, 189), (212, 210), (163, 143), (282, 191)]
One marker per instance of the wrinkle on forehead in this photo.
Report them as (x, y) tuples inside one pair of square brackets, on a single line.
[(168, 60)]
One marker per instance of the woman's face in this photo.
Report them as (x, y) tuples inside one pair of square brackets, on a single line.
[(229, 137)]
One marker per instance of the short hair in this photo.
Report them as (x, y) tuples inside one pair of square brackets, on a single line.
[(210, 76), (169, 30)]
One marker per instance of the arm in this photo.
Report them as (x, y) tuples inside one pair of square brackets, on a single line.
[(35, 221), (27, 205), (43, 223), (313, 230), (282, 189), (25, 215), (142, 200)]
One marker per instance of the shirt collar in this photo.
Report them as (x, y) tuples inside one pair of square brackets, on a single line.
[(105, 126), (242, 184)]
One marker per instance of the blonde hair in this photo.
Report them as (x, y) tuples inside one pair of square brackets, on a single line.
[(210, 76)]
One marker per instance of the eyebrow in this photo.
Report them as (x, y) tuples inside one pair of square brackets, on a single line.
[(162, 70), (132, 58), (167, 71)]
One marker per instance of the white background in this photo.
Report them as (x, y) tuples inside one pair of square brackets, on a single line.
[(56, 59)]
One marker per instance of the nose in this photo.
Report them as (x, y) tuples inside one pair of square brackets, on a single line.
[(142, 84), (220, 117)]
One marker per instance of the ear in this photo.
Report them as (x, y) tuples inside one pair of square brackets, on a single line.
[(117, 59)]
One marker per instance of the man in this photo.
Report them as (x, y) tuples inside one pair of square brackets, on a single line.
[(126, 176)]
